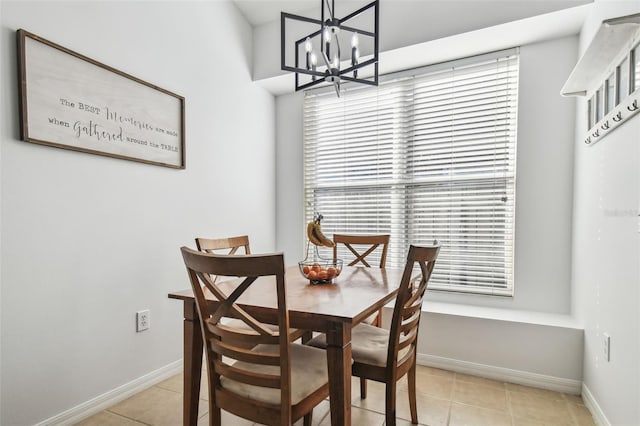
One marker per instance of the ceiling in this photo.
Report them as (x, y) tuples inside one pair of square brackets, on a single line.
[(259, 12), (420, 32)]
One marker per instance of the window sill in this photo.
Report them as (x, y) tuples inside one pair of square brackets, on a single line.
[(498, 314)]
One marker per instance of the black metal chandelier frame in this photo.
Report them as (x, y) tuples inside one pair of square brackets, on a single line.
[(331, 25)]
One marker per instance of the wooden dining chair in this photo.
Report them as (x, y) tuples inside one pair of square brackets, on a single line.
[(232, 246), (387, 355), (215, 245), (362, 246), (227, 245), (276, 382)]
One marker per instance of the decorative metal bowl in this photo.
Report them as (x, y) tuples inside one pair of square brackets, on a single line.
[(320, 271)]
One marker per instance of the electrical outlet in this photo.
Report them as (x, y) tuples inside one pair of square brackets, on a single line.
[(607, 347), (143, 320)]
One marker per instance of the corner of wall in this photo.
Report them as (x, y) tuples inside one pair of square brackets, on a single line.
[(1, 180)]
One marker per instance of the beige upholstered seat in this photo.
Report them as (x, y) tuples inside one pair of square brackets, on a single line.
[(254, 371), (308, 373), (386, 356), (369, 344)]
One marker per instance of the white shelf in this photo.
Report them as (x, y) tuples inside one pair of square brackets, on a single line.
[(611, 43)]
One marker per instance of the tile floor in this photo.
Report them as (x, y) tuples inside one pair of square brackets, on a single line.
[(444, 398)]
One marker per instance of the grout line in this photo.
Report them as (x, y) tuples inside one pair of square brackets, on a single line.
[(165, 389), (509, 406), (448, 421), (108, 410), (573, 417), (451, 401)]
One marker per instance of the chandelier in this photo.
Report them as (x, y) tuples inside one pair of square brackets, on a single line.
[(317, 54)]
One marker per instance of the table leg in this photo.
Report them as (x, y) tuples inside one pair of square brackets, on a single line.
[(339, 365), (192, 364)]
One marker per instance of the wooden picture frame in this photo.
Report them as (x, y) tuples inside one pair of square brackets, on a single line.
[(73, 102)]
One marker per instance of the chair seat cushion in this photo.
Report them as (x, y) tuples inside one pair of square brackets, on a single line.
[(308, 374), (369, 345)]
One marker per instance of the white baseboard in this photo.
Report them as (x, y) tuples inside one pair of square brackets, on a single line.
[(592, 405), (127, 390), (526, 378), (97, 404)]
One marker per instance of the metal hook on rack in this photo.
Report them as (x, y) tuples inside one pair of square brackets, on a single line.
[(605, 126), (596, 134), (588, 140), (618, 117), (634, 105)]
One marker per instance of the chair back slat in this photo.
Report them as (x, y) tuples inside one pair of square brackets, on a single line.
[(407, 311), (230, 245), (248, 377), (362, 246), (243, 354), (226, 332), (411, 310), (409, 323), (407, 341)]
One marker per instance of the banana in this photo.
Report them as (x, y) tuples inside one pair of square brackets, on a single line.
[(317, 233), (310, 234)]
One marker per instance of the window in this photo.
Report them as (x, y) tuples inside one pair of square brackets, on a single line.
[(423, 157)]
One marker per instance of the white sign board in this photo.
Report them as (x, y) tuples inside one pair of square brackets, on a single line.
[(73, 102)]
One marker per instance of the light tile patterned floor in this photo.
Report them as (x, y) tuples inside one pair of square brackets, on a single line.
[(444, 398)]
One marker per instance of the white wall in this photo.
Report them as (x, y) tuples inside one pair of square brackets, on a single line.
[(544, 182), (289, 176), (606, 250), (1, 133), (86, 241), (514, 351)]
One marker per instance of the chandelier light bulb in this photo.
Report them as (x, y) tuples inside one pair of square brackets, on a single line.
[(327, 35), (354, 40), (335, 63), (314, 60), (307, 45), (355, 52)]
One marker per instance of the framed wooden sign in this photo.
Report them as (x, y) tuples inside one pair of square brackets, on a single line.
[(73, 102)]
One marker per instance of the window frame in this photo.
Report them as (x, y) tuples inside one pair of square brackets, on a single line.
[(508, 289)]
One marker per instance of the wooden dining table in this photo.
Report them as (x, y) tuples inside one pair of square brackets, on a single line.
[(333, 309)]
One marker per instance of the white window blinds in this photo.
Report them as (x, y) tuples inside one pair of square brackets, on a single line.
[(423, 157)]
